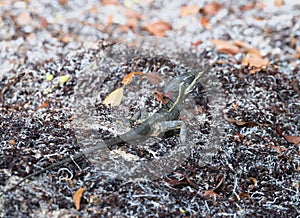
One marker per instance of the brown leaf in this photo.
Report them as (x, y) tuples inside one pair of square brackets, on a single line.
[(130, 13), (63, 2), (189, 10), (153, 78), (248, 6), (160, 97), (128, 78), (241, 123), (241, 195), (12, 141), (114, 98), (292, 139), (204, 21), (240, 44), (225, 47), (158, 28), (252, 179), (254, 60), (195, 44), (211, 193), (211, 8), (44, 104), (278, 3), (77, 197), (109, 2)]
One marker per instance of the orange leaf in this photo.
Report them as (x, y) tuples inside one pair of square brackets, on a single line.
[(77, 197), (109, 2), (44, 105), (63, 2), (128, 78), (225, 47), (204, 21), (255, 60), (292, 139), (211, 8), (114, 98), (188, 10), (253, 180), (158, 28), (248, 6), (240, 44), (278, 3), (12, 142), (195, 44)]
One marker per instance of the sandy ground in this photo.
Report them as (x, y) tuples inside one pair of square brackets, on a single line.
[(49, 47)]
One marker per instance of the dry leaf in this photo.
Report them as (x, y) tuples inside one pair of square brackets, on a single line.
[(130, 13), (63, 2), (77, 197), (211, 193), (63, 79), (211, 8), (195, 44), (110, 2), (278, 3), (253, 180), (24, 18), (158, 28), (240, 44), (248, 6), (204, 21), (292, 139), (254, 60), (160, 97), (188, 10), (44, 105), (225, 47), (12, 141), (128, 78), (114, 98), (254, 51), (153, 78), (241, 123)]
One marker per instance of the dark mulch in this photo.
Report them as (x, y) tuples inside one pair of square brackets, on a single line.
[(254, 168)]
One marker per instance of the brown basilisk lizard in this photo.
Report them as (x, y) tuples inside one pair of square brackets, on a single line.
[(152, 126)]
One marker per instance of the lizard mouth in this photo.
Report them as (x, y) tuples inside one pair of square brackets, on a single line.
[(159, 147)]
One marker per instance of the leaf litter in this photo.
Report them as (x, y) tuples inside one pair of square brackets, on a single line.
[(32, 139)]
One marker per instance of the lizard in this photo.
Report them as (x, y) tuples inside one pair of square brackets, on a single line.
[(151, 126)]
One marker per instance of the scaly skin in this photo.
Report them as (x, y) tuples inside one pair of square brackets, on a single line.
[(170, 112)]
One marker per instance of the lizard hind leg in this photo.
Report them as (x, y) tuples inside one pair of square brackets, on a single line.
[(164, 126)]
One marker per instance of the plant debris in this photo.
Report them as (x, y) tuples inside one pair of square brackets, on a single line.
[(253, 172)]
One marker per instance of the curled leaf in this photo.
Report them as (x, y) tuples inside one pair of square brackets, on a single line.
[(77, 197), (114, 98), (128, 78)]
